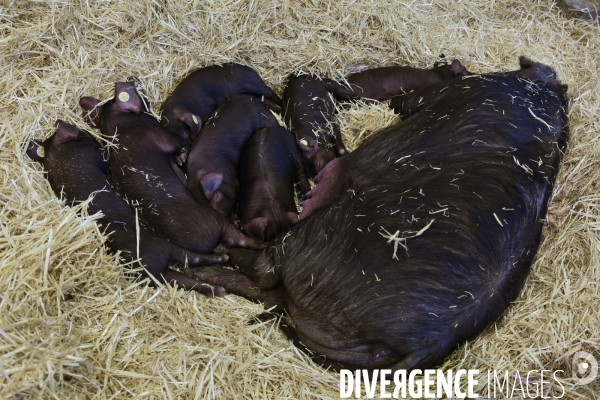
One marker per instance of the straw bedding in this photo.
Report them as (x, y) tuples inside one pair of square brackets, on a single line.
[(73, 326)]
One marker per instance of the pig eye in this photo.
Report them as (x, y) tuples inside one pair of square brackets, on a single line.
[(41, 152), (303, 142)]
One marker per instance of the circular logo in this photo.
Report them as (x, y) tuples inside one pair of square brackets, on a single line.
[(585, 368), (124, 97), (40, 151), (195, 119)]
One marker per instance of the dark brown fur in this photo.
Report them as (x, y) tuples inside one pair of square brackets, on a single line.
[(464, 180), (214, 156), (386, 82), (270, 165), (144, 170), (200, 93), (76, 170), (309, 113)]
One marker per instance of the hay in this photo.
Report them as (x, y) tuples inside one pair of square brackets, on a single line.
[(72, 326)]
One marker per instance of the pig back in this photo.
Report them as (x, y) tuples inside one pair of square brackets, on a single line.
[(219, 145), (268, 169), (307, 105), (437, 224), (77, 169), (385, 82), (143, 165), (204, 89)]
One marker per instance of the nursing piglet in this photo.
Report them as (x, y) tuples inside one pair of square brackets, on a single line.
[(199, 94), (76, 170), (214, 156), (386, 82), (309, 113), (270, 165), (144, 170)]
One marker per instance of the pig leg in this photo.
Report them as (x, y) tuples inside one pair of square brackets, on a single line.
[(242, 258), (338, 354), (179, 173), (263, 267), (237, 283), (302, 179), (270, 98), (272, 105), (339, 90), (340, 148), (188, 283), (323, 360), (182, 157), (234, 237), (329, 187), (182, 255), (409, 361)]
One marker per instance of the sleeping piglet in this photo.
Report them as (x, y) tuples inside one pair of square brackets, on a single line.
[(270, 165), (386, 82), (308, 112), (75, 167), (199, 94), (144, 170), (214, 155)]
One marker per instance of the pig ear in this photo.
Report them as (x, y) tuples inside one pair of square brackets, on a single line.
[(91, 111), (525, 62), (292, 217), (211, 182), (127, 98), (457, 69), (35, 151), (256, 228), (65, 132), (192, 121)]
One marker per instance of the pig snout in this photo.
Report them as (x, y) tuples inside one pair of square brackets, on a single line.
[(322, 158), (315, 156)]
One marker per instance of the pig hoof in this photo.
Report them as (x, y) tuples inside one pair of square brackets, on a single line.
[(221, 249), (221, 259), (219, 291), (210, 290), (182, 157)]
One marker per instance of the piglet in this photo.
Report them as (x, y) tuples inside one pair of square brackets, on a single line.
[(76, 170), (308, 112), (270, 165), (144, 170), (386, 82), (199, 94), (213, 159)]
